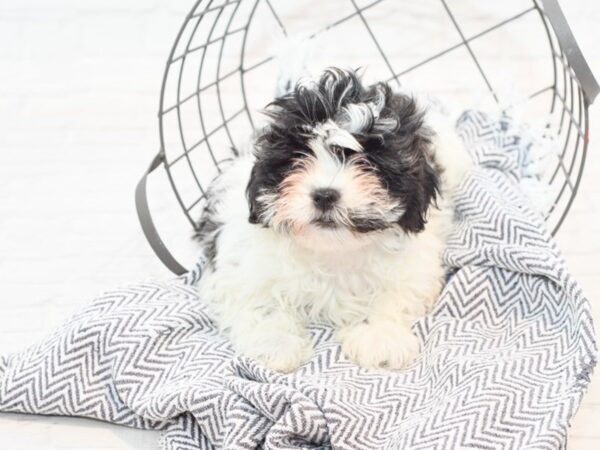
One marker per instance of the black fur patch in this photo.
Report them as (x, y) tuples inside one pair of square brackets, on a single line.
[(208, 227), (207, 233), (404, 161)]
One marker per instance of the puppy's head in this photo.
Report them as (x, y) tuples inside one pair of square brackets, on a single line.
[(339, 162)]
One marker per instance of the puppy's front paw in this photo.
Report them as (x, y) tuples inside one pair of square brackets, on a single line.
[(379, 344), (283, 352)]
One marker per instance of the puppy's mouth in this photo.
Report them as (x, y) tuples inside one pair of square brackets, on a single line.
[(325, 222), (358, 225)]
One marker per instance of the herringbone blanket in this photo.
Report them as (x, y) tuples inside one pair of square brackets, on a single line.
[(507, 351)]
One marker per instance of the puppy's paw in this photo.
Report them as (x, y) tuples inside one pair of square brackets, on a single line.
[(283, 352), (379, 344)]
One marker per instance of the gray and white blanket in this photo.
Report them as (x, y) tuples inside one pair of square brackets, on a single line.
[(507, 351)]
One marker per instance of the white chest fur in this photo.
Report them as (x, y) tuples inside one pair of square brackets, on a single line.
[(258, 269)]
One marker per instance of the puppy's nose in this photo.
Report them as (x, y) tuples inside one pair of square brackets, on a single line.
[(325, 198)]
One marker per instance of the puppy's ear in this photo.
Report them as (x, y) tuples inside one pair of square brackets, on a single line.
[(422, 188)]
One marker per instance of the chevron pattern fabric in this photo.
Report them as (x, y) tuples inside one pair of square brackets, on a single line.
[(507, 351)]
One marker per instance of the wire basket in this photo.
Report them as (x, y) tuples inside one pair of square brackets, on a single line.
[(514, 55)]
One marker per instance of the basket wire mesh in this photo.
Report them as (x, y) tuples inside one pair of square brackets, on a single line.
[(222, 70)]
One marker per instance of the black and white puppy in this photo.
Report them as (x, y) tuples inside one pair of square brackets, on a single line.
[(339, 215)]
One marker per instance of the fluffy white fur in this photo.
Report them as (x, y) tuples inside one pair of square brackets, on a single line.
[(265, 287)]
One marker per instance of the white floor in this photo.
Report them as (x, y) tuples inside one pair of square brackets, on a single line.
[(79, 86)]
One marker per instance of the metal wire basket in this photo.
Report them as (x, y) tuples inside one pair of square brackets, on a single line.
[(222, 70)]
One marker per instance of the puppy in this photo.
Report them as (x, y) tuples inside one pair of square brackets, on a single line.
[(339, 215)]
